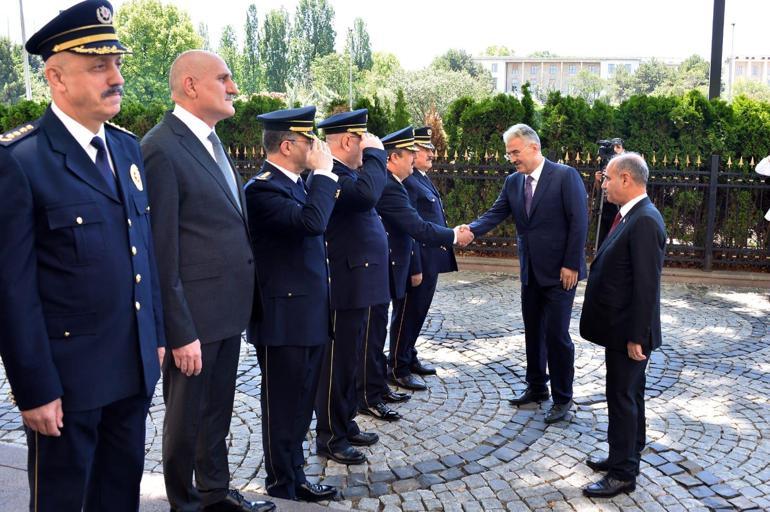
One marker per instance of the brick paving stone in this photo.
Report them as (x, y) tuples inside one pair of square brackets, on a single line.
[(461, 446)]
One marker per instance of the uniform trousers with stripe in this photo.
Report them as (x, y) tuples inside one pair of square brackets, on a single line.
[(409, 314), (95, 465), (371, 383), (289, 385), (336, 401)]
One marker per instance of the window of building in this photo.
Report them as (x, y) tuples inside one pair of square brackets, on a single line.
[(755, 70), (628, 67), (739, 69), (552, 69), (572, 69), (494, 68), (610, 68), (533, 69)]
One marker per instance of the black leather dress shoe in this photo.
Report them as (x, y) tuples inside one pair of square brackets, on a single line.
[(608, 487), (422, 369), (598, 464), (558, 412), (315, 492), (381, 412), (409, 382), (235, 502), (363, 439), (394, 397), (530, 396), (347, 456)]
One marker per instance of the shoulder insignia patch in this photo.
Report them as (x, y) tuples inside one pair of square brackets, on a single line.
[(265, 175), (18, 133), (121, 129)]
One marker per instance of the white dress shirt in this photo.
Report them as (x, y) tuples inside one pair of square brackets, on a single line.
[(627, 207), (536, 175), (200, 129), (82, 135)]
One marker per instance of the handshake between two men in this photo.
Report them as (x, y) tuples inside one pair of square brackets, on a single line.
[(464, 235)]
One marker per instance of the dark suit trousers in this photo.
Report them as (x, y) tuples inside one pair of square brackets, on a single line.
[(546, 311), (95, 465), (289, 385), (406, 323), (336, 402), (196, 426), (626, 430), (371, 372)]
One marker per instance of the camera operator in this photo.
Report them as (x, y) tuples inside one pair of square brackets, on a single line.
[(607, 211)]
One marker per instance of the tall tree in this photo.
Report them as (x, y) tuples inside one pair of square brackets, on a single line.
[(622, 85), (331, 76), (228, 50), (498, 51), (401, 118), (251, 73), (458, 60), (203, 31), (358, 45), (650, 75), (588, 86), (313, 34), (274, 49), (156, 33), (11, 81)]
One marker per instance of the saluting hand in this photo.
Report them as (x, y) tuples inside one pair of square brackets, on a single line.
[(320, 156), (370, 140), (46, 419), (188, 358)]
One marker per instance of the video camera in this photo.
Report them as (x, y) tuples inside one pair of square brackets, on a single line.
[(607, 147)]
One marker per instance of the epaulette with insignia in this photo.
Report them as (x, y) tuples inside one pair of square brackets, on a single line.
[(265, 175), (120, 128), (18, 133)]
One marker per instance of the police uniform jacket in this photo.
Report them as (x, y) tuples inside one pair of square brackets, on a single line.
[(287, 227), (357, 245), (405, 228), (79, 297), (427, 201)]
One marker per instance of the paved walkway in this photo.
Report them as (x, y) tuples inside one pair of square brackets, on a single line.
[(461, 446)]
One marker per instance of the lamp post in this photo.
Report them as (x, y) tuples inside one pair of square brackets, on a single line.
[(24, 54), (350, 69), (732, 64)]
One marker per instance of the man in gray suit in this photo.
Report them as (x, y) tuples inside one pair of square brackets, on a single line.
[(207, 279)]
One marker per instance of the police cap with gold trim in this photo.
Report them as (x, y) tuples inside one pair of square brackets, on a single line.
[(401, 139), (299, 120), (422, 137), (85, 28), (350, 122)]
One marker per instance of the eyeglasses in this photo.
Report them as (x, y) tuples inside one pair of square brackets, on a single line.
[(509, 155)]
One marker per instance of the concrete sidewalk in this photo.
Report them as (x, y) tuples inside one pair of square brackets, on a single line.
[(14, 489)]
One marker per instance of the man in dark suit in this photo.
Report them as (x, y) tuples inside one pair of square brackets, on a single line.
[(287, 223), (548, 203), (207, 279), (405, 228), (410, 311), (621, 312), (82, 335), (357, 249)]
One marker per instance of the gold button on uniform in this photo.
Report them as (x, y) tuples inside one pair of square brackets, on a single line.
[(66, 334), (133, 250), (129, 222), (138, 278), (366, 264), (289, 294), (137, 305), (79, 220)]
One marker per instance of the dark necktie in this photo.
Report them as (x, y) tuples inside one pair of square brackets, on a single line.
[(528, 194), (301, 188), (615, 223), (224, 166), (103, 164)]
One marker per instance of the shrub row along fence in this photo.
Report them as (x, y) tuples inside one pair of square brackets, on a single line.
[(714, 211)]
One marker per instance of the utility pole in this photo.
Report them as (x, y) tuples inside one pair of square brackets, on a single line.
[(732, 65), (24, 54), (717, 34), (350, 68)]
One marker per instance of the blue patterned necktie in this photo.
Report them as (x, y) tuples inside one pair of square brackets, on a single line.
[(224, 167), (301, 187), (103, 164)]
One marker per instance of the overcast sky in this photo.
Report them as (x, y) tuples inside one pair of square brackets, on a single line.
[(418, 31)]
